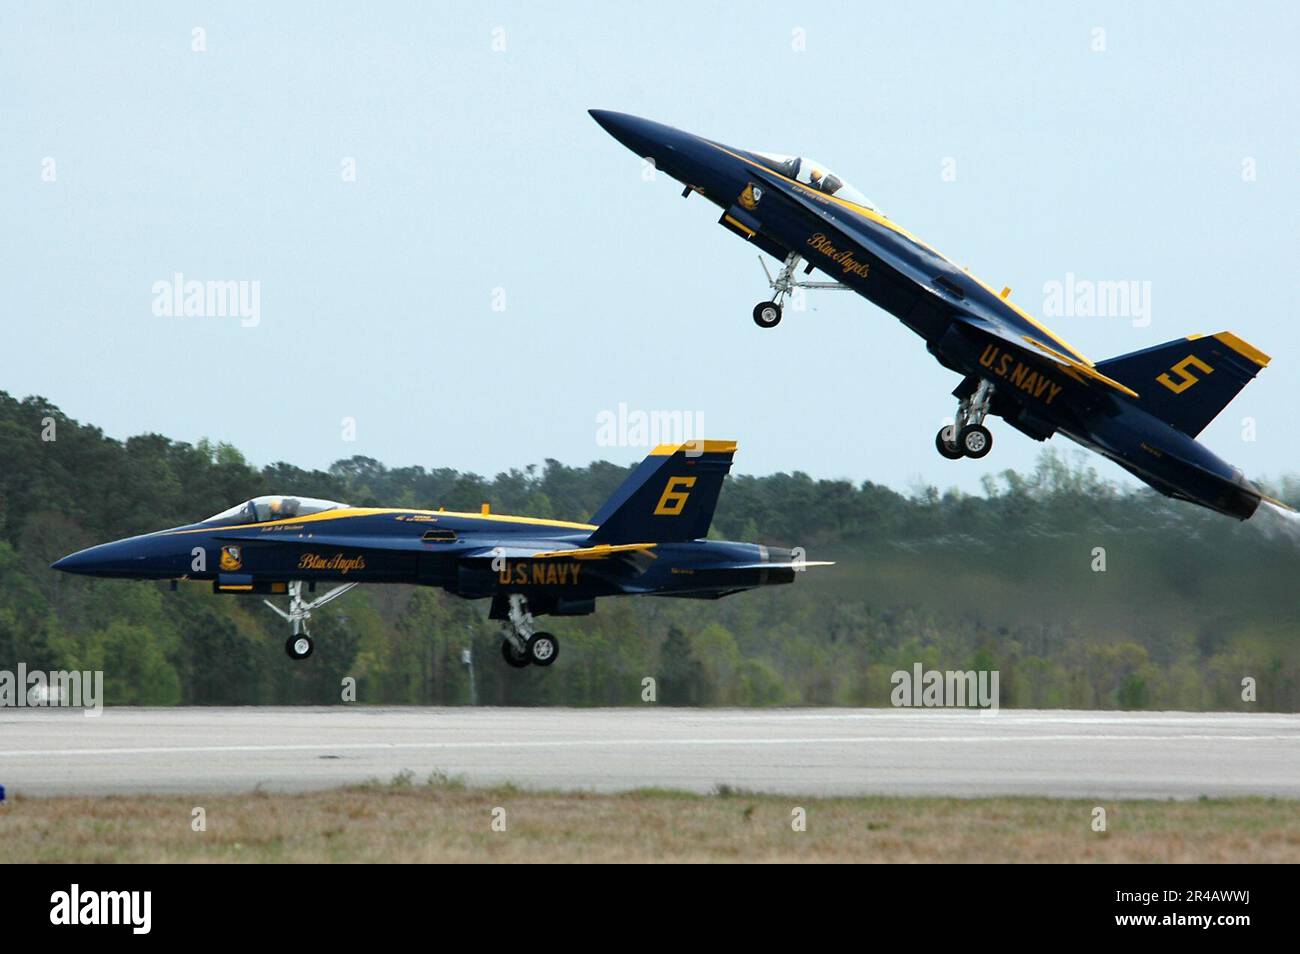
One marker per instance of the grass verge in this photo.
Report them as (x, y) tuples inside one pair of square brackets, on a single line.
[(440, 819)]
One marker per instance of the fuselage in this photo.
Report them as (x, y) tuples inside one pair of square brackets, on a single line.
[(470, 555)]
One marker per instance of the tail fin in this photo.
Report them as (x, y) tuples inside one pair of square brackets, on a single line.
[(669, 498), (1187, 382)]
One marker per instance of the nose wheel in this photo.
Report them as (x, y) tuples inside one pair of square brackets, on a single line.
[(299, 647), (968, 437), (767, 314), (523, 645)]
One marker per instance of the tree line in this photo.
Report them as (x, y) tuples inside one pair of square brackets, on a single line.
[(1081, 593)]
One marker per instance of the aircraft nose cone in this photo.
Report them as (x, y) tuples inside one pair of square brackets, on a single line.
[(632, 131), (80, 562), (605, 117), (107, 559), (616, 124)]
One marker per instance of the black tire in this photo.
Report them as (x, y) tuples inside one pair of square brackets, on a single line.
[(514, 659), (767, 314), (946, 449), (975, 441), (299, 647), (542, 649)]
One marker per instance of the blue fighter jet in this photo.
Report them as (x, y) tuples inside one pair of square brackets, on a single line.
[(1141, 410), (648, 539)]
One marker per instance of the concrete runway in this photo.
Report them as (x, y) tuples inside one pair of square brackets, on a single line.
[(795, 751)]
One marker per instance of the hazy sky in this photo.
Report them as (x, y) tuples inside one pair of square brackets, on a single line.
[(1162, 149)]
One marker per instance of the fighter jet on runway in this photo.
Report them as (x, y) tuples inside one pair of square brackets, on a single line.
[(647, 539), (1141, 410)]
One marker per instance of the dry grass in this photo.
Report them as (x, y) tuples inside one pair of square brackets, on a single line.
[(444, 821)]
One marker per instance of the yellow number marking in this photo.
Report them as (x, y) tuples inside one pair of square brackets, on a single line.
[(1185, 377), (673, 500)]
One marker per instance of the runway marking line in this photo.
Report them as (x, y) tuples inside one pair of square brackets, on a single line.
[(616, 743)]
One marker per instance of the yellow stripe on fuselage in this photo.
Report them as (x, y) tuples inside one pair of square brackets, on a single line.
[(347, 513), (879, 219)]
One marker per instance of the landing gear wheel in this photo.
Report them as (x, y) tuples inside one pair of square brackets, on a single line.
[(299, 647), (542, 649), (975, 441), (767, 314), (946, 442), (516, 659)]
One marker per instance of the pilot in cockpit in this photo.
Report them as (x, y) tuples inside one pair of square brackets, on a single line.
[(283, 507)]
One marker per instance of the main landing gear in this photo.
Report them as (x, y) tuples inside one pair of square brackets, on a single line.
[(968, 437), (767, 314), (300, 645), (523, 645)]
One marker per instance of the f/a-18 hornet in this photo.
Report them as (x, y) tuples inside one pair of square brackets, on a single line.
[(1141, 410), (648, 539)]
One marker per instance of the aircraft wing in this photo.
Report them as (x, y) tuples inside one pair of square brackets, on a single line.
[(1079, 370), (546, 550), (622, 560), (598, 552), (982, 309)]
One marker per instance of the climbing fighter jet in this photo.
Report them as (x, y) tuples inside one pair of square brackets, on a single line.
[(1141, 410)]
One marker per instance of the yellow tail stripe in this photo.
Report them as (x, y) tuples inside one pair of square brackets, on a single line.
[(1243, 348)]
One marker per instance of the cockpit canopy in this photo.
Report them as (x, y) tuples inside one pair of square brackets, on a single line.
[(273, 507), (813, 173)]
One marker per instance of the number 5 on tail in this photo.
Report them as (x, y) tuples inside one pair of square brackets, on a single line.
[(1185, 377)]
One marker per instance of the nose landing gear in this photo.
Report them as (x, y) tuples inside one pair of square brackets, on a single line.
[(967, 436), (300, 645), (767, 314)]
